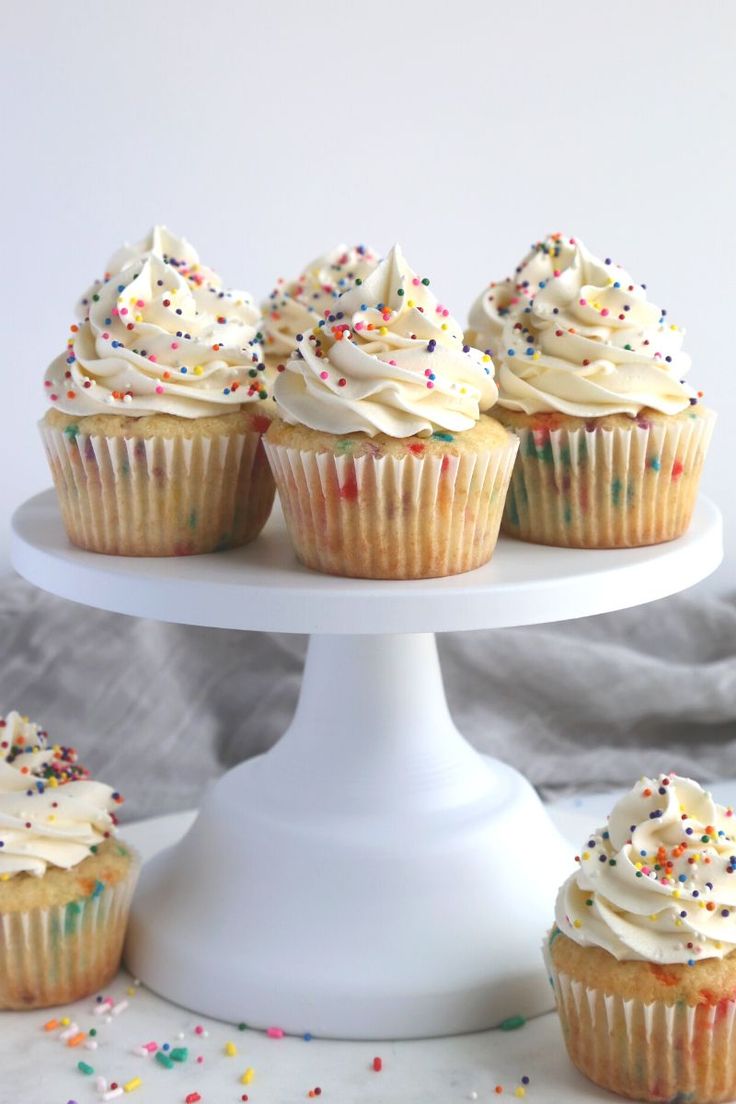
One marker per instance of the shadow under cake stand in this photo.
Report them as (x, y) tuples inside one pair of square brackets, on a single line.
[(372, 876)]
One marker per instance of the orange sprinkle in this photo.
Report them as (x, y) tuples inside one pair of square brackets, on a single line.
[(51, 1025), (77, 1039), (647, 792)]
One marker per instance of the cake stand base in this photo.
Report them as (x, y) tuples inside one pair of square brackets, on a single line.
[(372, 876)]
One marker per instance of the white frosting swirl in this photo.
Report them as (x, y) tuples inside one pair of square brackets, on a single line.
[(160, 335), (295, 307), (507, 298), (659, 883), (589, 343), (50, 813), (392, 361)]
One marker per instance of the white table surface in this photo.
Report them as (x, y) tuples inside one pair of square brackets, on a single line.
[(39, 1069)]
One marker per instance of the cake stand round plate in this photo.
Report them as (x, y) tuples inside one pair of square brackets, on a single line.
[(372, 875), (264, 587)]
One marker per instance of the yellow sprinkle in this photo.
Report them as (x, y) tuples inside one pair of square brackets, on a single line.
[(231, 1050), (383, 330), (586, 854), (247, 1076), (52, 783), (51, 817), (198, 369), (674, 327), (676, 893), (653, 916), (536, 356), (520, 1091), (139, 318), (133, 1084), (485, 358), (443, 326), (4, 877), (65, 1021), (131, 990), (577, 923), (410, 303)]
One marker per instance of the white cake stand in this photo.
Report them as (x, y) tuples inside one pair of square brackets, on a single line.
[(371, 876)]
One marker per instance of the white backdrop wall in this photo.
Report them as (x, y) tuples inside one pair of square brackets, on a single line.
[(266, 133)]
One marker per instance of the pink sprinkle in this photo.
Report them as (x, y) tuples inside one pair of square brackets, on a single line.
[(323, 375), (556, 272), (200, 1060), (428, 371), (199, 1030), (115, 311), (430, 385), (159, 390), (358, 326), (47, 383), (415, 281), (53, 397), (106, 336), (583, 302), (275, 1032), (139, 303), (174, 344), (123, 310), (604, 312), (392, 363), (150, 1047), (153, 358)]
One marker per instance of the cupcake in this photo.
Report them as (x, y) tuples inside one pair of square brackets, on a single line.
[(66, 882), (296, 306), (385, 466), (642, 957), (590, 377), (156, 409)]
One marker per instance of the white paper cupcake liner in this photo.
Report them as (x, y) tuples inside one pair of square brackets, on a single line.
[(159, 496), (607, 488), (392, 517), (648, 1051), (65, 952)]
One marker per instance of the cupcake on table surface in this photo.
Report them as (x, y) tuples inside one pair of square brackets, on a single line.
[(385, 465), (156, 409), (591, 379), (296, 306), (66, 882), (643, 953)]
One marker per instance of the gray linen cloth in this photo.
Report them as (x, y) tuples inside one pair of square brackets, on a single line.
[(160, 710)]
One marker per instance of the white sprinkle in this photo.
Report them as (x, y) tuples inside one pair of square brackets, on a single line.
[(102, 1006), (72, 1029), (141, 1051), (113, 1093), (90, 1044), (101, 1084), (118, 1008)]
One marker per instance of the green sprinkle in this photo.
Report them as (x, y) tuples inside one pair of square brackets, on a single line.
[(589, 901), (438, 436), (400, 291), (164, 1060), (179, 1054), (85, 1069), (92, 1032), (425, 281), (616, 492), (358, 282), (344, 445), (99, 888), (655, 463), (71, 432), (512, 1023), (242, 1027), (192, 522), (93, 848)]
